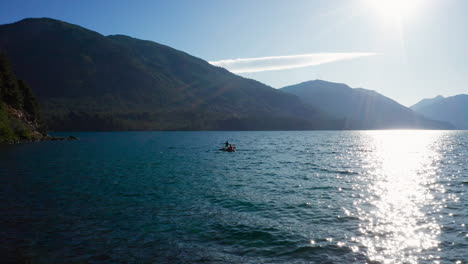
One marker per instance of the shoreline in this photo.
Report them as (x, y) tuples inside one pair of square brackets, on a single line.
[(46, 138)]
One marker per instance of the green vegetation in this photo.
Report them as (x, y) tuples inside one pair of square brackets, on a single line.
[(6, 130), (20, 117)]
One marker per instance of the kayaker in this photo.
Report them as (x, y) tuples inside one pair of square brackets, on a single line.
[(231, 148), (227, 144)]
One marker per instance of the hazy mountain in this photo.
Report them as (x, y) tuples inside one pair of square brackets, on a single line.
[(87, 81), (20, 118), (427, 101), (361, 108), (452, 109)]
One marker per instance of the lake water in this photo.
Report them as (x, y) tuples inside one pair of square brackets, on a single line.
[(283, 197)]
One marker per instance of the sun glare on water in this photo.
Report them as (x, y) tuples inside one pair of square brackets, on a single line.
[(398, 208)]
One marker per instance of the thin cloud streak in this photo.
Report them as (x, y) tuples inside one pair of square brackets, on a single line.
[(286, 62)]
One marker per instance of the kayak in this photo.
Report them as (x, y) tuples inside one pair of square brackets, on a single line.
[(228, 150)]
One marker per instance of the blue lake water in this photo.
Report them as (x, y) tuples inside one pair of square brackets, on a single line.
[(283, 197)]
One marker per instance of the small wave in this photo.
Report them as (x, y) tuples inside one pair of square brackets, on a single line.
[(155, 194), (240, 206), (310, 252), (342, 172), (322, 188), (252, 237), (301, 251)]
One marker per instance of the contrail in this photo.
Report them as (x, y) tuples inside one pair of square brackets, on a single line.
[(286, 62)]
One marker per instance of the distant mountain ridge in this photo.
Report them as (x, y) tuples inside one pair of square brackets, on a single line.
[(427, 101), (361, 108), (87, 81), (453, 109)]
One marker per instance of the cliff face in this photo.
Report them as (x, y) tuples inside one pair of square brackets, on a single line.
[(20, 118)]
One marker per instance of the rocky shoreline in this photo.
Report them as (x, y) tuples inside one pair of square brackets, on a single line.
[(46, 138)]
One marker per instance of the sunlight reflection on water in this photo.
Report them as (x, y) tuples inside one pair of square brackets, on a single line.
[(285, 197), (397, 206)]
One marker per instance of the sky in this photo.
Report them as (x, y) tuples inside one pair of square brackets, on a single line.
[(404, 49)]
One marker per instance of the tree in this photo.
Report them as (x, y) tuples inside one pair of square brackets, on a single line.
[(30, 104), (10, 92)]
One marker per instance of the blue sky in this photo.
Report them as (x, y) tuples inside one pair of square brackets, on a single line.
[(418, 48)]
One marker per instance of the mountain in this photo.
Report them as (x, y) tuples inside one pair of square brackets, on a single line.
[(87, 81), (20, 118), (427, 101), (452, 109), (361, 108)]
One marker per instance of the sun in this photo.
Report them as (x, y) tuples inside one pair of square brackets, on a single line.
[(393, 9)]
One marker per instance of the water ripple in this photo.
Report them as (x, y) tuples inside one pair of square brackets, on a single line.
[(284, 197)]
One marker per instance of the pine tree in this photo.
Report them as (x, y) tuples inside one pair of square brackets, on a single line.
[(30, 104), (10, 93)]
